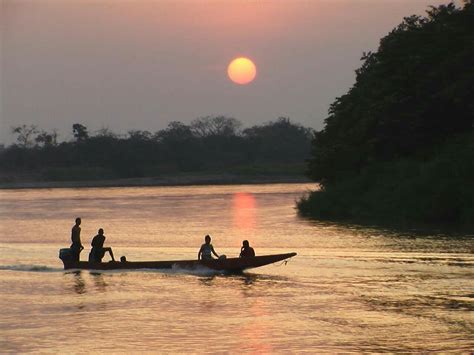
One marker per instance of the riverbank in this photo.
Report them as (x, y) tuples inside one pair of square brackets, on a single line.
[(168, 180), (435, 191)]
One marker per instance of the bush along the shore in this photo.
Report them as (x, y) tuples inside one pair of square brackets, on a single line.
[(398, 148), (437, 190)]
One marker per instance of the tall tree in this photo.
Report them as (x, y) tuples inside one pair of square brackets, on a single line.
[(215, 126), (25, 134), (80, 132), (416, 91), (47, 139), (279, 140)]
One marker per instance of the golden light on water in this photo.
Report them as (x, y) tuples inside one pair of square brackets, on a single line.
[(346, 291), (242, 70), (244, 211), (256, 333)]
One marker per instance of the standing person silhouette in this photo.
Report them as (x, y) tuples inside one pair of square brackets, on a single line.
[(206, 251), (76, 246)]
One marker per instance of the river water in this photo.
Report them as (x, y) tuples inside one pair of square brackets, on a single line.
[(348, 289)]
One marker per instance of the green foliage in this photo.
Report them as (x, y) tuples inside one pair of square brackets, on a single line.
[(209, 144), (412, 94), (80, 132), (47, 139), (25, 134), (215, 126), (280, 141), (398, 146), (434, 191), (77, 174), (269, 169)]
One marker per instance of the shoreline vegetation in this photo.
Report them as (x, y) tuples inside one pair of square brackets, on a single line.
[(210, 150), (174, 180), (398, 148)]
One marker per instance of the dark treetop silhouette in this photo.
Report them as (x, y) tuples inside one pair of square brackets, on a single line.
[(215, 145), (399, 146)]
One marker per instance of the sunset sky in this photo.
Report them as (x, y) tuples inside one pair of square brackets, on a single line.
[(139, 64)]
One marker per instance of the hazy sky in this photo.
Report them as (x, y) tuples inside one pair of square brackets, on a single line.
[(139, 64)]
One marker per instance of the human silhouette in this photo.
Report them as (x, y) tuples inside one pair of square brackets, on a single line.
[(76, 246), (206, 251), (246, 250), (98, 251)]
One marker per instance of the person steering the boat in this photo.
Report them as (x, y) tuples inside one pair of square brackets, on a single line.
[(206, 251), (246, 250), (98, 251), (76, 246)]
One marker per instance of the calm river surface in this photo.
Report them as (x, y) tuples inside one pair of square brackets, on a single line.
[(349, 288)]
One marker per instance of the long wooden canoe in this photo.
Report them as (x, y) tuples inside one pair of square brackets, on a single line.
[(231, 265)]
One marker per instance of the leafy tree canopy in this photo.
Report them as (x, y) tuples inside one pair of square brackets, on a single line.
[(208, 144), (410, 96)]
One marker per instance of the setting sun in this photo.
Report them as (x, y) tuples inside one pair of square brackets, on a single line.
[(242, 70)]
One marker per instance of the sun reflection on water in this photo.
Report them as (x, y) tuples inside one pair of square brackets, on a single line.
[(350, 289), (244, 210)]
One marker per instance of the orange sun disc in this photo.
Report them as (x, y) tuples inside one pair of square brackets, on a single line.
[(241, 70)]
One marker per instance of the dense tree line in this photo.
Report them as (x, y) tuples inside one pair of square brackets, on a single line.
[(207, 144), (399, 145)]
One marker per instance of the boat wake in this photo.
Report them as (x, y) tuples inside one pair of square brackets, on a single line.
[(30, 268), (199, 271), (175, 270)]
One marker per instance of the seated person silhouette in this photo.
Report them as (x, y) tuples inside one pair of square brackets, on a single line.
[(206, 251), (246, 250), (98, 251)]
